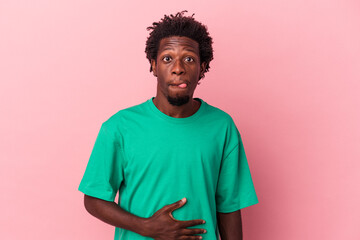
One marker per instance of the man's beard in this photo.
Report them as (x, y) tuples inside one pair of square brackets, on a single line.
[(178, 101)]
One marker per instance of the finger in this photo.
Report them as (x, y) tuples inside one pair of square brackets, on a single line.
[(192, 223), (176, 205), (193, 231), (190, 238)]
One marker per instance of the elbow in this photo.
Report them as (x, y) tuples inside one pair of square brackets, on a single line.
[(89, 204)]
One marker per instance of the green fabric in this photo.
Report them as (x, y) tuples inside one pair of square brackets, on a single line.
[(154, 160)]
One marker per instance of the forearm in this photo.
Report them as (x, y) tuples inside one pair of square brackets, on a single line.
[(113, 214), (230, 225)]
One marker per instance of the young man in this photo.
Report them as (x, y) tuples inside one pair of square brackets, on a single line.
[(178, 163)]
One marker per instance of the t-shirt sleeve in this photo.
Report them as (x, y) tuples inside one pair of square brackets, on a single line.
[(104, 174), (235, 188)]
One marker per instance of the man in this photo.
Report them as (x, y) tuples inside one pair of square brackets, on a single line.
[(178, 163)]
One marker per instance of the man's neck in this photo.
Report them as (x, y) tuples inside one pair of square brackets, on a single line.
[(183, 111)]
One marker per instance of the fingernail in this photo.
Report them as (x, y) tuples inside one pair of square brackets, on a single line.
[(183, 200), (203, 221)]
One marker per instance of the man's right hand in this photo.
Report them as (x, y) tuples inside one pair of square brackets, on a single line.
[(163, 226)]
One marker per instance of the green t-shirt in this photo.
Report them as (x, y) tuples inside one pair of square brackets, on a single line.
[(154, 160)]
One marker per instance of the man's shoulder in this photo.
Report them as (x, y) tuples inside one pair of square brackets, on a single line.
[(126, 114), (218, 114)]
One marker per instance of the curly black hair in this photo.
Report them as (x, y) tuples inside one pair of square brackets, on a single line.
[(180, 25)]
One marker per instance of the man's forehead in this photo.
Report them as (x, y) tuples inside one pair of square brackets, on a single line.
[(176, 41)]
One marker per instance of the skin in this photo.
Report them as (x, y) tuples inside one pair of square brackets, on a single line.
[(178, 61), (160, 226), (230, 225)]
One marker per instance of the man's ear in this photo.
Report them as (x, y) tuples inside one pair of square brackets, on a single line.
[(153, 67), (202, 69)]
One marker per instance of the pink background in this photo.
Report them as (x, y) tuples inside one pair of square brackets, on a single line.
[(287, 71)]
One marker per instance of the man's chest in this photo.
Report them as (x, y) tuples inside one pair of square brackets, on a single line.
[(184, 148)]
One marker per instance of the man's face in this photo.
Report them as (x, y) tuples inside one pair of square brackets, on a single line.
[(178, 69)]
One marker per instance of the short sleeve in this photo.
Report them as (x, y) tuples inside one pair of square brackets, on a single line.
[(235, 188), (104, 174)]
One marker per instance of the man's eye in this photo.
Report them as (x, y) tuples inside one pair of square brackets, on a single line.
[(189, 59), (166, 59)]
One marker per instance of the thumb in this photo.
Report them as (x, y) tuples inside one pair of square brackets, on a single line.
[(176, 205)]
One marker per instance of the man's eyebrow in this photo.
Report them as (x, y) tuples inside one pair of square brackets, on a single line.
[(190, 50)]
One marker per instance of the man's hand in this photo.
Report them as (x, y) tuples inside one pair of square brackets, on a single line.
[(163, 226)]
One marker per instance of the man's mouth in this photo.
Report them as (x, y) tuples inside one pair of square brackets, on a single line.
[(180, 85)]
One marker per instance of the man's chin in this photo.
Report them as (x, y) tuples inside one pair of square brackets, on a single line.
[(178, 101)]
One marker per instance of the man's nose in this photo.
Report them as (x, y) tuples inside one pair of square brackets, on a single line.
[(178, 68)]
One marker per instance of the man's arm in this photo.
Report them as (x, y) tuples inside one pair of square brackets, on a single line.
[(230, 225), (111, 213), (161, 225)]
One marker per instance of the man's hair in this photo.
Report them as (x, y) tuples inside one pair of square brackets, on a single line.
[(181, 26)]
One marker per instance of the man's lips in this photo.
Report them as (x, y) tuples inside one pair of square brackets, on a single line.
[(179, 85)]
